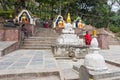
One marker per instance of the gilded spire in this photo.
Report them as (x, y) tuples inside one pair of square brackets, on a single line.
[(94, 33), (68, 18)]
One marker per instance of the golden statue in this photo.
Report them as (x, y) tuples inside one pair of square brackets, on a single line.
[(68, 18), (60, 24), (80, 24), (24, 18)]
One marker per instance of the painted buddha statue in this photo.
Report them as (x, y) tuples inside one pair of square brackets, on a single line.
[(24, 18), (80, 24), (61, 24)]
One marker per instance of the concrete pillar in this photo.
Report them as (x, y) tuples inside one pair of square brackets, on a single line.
[(103, 41)]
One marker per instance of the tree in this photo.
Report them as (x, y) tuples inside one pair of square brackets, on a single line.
[(95, 12), (3, 4)]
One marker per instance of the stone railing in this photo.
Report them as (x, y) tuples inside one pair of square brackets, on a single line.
[(8, 47)]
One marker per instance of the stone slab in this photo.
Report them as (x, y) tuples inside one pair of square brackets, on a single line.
[(22, 60), (112, 55)]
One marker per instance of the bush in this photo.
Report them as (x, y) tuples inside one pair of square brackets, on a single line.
[(118, 34), (6, 14), (114, 29)]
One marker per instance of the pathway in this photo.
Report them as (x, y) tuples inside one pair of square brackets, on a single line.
[(112, 55), (36, 61)]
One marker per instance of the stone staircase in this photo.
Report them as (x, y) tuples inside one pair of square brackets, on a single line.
[(113, 40), (43, 39)]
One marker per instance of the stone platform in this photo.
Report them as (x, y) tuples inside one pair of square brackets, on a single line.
[(41, 65), (112, 55), (113, 72), (29, 65), (7, 47)]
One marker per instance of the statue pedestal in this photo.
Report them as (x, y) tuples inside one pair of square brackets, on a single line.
[(95, 61)]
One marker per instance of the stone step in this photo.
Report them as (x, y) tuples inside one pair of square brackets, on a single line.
[(43, 37), (46, 32), (32, 76), (36, 46), (46, 35), (113, 78), (39, 42), (70, 74), (114, 42)]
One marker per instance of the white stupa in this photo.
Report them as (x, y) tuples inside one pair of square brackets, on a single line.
[(68, 36), (93, 60)]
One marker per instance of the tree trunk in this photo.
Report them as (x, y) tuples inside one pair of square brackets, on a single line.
[(3, 5)]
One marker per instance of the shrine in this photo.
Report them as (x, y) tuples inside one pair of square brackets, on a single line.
[(59, 22), (69, 43), (25, 17), (78, 23)]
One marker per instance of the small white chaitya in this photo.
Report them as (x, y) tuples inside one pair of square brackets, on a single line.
[(93, 60)]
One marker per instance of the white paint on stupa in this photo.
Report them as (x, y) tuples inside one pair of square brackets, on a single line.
[(93, 60), (68, 36)]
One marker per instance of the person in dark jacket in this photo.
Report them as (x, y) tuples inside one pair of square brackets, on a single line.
[(24, 30)]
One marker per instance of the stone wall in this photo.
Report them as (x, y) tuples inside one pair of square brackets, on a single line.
[(8, 34), (103, 41), (102, 37)]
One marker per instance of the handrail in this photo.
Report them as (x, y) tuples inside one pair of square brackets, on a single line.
[(21, 36)]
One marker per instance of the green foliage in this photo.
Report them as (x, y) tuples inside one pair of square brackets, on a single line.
[(114, 29), (118, 34), (6, 14), (116, 19), (94, 12)]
